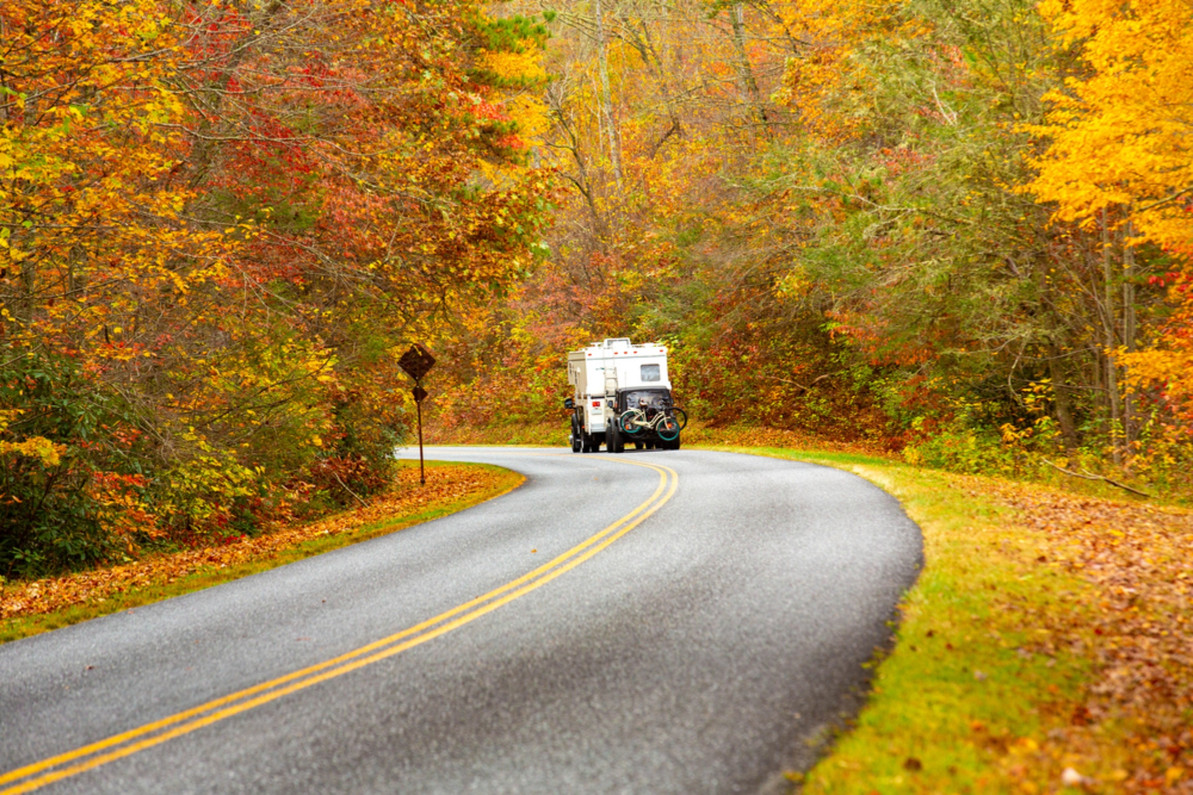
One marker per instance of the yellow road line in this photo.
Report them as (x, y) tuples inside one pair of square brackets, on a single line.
[(130, 742)]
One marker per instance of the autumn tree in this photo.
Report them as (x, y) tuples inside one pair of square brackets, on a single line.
[(1117, 163), (218, 222), (819, 208)]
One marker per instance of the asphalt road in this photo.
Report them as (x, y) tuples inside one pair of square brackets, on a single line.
[(652, 622)]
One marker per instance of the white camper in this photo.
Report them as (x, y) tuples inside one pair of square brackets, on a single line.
[(610, 378)]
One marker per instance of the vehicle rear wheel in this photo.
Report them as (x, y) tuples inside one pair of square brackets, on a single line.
[(576, 437), (613, 439)]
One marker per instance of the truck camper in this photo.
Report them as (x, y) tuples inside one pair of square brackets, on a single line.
[(622, 394)]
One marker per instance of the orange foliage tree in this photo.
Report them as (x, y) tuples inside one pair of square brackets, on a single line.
[(218, 222), (817, 207)]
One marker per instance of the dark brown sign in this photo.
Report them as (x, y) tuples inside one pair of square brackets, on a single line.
[(420, 394), (417, 361)]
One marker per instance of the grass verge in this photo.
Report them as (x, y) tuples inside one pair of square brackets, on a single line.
[(29, 608), (1039, 651)]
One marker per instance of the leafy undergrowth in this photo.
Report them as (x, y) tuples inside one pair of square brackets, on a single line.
[(27, 608), (1045, 647), (552, 431)]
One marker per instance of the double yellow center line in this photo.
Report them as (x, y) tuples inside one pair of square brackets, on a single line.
[(118, 746)]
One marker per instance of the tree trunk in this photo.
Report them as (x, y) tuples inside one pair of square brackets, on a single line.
[(1110, 342), (606, 100), (1062, 403), (1129, 331), (746, 72)]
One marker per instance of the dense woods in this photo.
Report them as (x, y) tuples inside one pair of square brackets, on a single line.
[(957, 229), (217, 222), (952, 228)]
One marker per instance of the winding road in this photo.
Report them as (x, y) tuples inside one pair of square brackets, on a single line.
[(652, 622)]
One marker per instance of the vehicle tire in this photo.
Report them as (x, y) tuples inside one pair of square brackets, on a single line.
[(613, 439), (576, 437), (590, 444)]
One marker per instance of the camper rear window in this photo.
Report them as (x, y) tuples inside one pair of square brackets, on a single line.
[(650, 372)]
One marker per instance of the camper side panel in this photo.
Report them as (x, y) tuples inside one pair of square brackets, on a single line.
[(586, 372)]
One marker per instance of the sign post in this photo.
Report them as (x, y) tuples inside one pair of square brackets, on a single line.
[(417, 362)]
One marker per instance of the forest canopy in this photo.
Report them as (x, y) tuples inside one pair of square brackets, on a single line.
[(954, 229)]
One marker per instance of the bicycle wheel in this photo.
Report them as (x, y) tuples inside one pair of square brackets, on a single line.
[(632, 420), (681, 416), (668, 428)]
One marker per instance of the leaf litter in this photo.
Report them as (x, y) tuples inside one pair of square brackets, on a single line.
[(1132, 730)]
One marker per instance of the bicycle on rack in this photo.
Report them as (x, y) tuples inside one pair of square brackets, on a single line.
[(666, 423)]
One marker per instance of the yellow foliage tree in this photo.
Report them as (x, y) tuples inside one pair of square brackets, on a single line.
[(1121, 147), (218, 222), (1119, 136)]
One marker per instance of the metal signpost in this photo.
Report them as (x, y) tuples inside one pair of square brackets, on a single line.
[(417, 362)]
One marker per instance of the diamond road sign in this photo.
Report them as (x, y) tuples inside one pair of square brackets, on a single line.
[(417, 361), (420, 394)]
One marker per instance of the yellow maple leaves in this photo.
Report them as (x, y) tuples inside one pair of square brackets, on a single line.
[(1120, 136), (38, 448), (509, 65), (1119, 152), (824, 80)]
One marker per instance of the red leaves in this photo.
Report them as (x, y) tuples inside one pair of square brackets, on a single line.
[(1168, 278)]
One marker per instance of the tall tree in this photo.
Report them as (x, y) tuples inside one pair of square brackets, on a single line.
[(1117, 159)]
